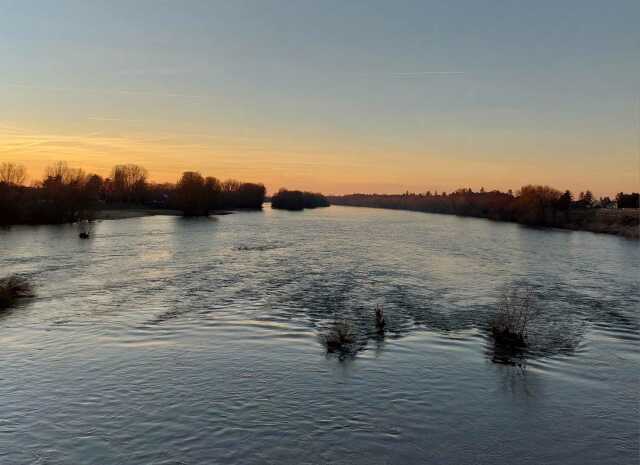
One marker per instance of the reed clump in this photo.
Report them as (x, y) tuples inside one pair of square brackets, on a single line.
[(13, 288)]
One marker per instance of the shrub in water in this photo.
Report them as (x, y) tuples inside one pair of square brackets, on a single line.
[(339, 337), (12, 289), (510, 324)]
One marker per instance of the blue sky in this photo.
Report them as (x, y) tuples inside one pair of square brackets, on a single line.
[(334, 96)]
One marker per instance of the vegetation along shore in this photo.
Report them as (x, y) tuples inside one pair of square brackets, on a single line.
[(66, 195), (532, 205)]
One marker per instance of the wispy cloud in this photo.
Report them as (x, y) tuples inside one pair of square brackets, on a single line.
[(428, 73), (105, 91), (174, 71), (113, 119), (18, 142), (406, 74)]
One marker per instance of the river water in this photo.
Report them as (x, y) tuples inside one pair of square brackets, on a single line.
[(164, 340)]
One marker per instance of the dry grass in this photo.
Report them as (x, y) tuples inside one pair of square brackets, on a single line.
[(13, 288), (516, 309), (339, 337)]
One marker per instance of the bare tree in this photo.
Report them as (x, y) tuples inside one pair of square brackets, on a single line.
[(214, 192), (129, 182), (13, 174), (60, 173), (516, 308)]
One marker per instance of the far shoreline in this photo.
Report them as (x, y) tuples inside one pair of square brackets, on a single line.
[(596, 225)]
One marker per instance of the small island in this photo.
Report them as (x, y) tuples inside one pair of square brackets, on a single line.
[(298, 200)]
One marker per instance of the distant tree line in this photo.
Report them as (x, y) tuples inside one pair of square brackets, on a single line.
[(532, 205), (298, 200), (67, 194)]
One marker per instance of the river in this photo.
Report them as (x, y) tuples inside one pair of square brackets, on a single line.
[(163, 340)]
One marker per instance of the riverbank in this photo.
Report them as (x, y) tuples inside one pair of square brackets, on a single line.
[(623, 222), (123, 214), (126, 213)]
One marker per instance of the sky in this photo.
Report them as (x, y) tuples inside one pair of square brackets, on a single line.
[(328, 95)]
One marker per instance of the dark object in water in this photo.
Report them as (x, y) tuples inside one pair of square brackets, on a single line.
[(339, 337), (380, 322), (506, 338), (13, 288), (510, 325), (83, 235)]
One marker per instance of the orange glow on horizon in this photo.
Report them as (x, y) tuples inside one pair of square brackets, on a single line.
[(328, 168)]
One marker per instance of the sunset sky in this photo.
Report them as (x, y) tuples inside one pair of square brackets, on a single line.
[(336, 96)]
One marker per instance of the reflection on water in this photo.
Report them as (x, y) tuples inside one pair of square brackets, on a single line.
[(162, 340)]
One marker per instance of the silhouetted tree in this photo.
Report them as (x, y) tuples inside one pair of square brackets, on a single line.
[(242, 195), (297, 200), (12, 174), (191, 194), (628, 200), (214, 193), (586, 198), (128, 183), (63, 196), (251, 196), (93, 188), (315, 200), (533, 203), (564, 202), (288, 200), (606, 202), (11, 204), (67, 194)]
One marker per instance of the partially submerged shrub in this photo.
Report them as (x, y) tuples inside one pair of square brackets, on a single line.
[(340, 337), (12, 289), (516, 309)]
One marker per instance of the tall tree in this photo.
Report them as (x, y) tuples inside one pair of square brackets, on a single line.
[(588, 198), (191, 194), (129, 183), (12, 174)]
